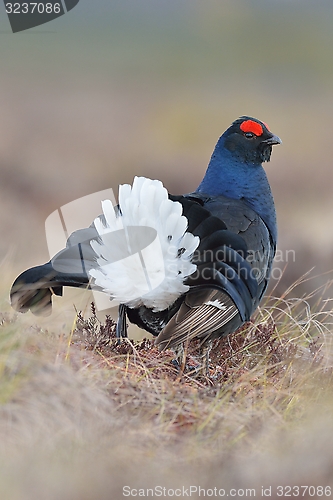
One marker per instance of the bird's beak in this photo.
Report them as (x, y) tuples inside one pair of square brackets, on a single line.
[(274, 139)]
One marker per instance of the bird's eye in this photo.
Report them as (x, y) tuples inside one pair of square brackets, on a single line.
[(249, 135)]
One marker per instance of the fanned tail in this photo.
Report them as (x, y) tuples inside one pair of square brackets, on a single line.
[(144, 250)]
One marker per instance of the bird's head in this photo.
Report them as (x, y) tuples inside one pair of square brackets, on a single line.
[(250, 140)]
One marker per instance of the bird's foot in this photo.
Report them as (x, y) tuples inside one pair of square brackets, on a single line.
[(196, 369), (179, 362), (199, 371), (202, 368)]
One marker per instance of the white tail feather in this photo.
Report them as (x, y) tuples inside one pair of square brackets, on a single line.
[(133, 270)]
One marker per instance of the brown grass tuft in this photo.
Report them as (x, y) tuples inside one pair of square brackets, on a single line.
[(82, 417)]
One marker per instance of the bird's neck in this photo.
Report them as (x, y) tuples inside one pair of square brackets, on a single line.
[(235, 178)]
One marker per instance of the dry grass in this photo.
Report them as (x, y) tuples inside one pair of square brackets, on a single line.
[(81, 417)]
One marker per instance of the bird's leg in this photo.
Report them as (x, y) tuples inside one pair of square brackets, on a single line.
[(121, 328), (180, 357), (205, 348)]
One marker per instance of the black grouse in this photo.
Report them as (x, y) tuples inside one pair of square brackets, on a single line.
[(180, 267)]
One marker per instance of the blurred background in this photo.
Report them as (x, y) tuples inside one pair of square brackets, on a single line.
[(120, 88)]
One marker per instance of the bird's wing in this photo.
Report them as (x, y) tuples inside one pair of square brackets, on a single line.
[(201, 313), (234, 259), (240, 219)]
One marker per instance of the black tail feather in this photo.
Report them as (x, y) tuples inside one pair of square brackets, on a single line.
[(33, 289)]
